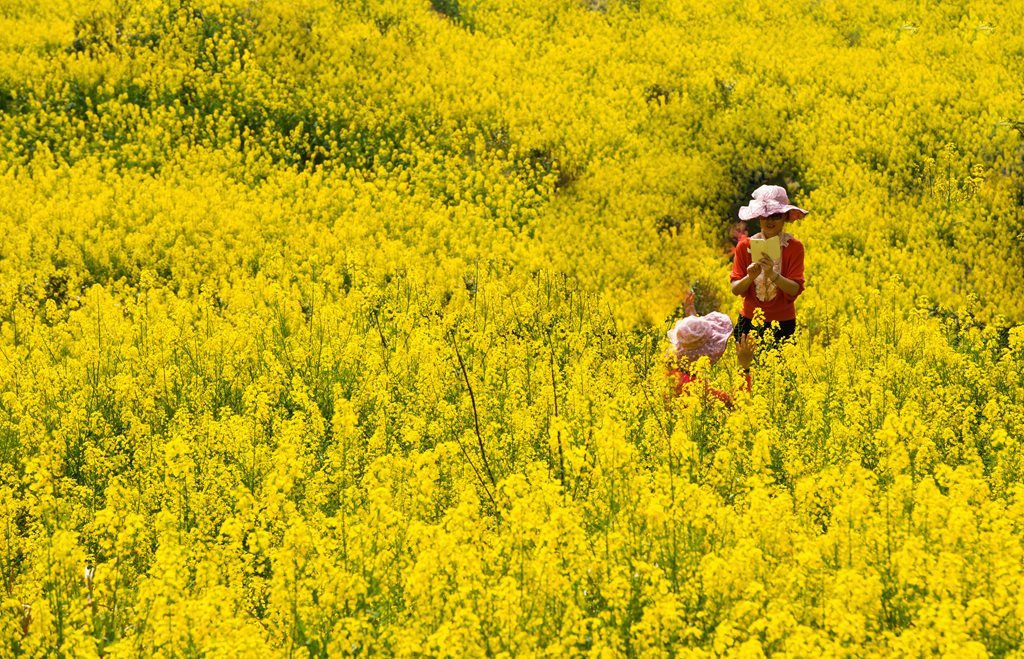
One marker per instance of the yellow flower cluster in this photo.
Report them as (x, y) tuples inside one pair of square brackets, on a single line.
[(336, 329)]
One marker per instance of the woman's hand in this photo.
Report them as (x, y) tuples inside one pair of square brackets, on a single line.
[(745, 351), (753, 270), (766, 264)]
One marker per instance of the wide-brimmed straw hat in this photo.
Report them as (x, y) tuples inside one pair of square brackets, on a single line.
[(770, 200), (701, 336)]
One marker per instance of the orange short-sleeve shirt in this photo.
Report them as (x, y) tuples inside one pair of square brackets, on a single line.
[(781, 307)]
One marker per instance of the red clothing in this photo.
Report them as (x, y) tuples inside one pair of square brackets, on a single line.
[(683, 378), (780, 307)]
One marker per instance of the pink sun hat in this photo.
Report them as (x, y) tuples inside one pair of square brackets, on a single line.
[(701, 336), (770, 200)]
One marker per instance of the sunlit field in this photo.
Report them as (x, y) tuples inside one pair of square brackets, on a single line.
[(339, 328)]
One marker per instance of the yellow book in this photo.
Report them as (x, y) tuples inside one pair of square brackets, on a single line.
[(761, 246)]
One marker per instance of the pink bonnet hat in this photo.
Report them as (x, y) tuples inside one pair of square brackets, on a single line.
[(770, 200), (701, 336)]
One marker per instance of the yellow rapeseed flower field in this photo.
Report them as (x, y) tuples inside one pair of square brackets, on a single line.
[(337, 328)]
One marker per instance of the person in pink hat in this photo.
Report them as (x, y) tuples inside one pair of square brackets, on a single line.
[(694, 337), (772, 286)]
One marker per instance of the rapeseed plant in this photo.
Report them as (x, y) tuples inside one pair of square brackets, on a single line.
[(336, 329)]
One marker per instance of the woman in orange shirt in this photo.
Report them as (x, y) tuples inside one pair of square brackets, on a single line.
[(769, 285)]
